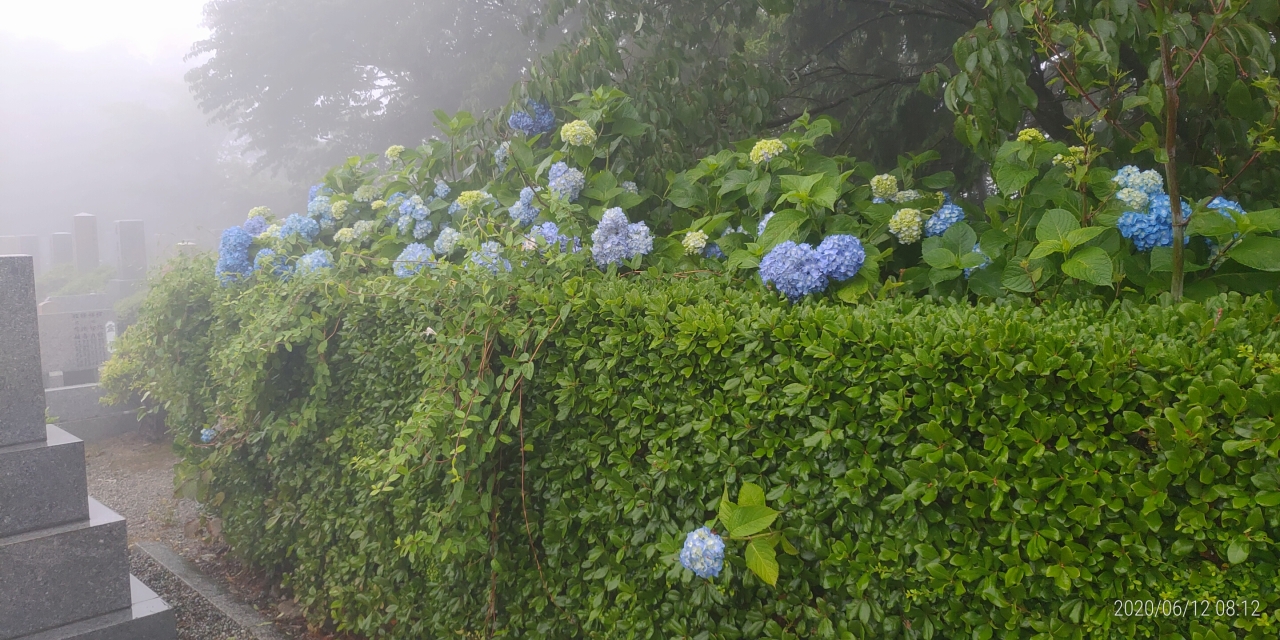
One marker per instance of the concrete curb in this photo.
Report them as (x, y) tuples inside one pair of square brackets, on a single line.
[(241, 614)]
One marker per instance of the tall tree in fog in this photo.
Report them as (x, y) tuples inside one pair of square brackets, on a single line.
[(712, 71), (308, 83)]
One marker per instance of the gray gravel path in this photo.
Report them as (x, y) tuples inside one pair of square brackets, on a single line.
[(197, 619)]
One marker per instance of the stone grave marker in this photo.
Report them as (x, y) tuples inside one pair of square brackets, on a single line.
[(62, 248), (85, 227), (64, 560)]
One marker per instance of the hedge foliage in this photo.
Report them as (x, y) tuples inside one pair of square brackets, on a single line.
[(522, 455)]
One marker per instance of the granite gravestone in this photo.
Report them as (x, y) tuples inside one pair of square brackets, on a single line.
[(62, 248), (64, 560), (85, 227), (30, 245), (131, 247)]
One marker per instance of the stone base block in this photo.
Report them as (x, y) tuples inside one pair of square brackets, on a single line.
[(54, 577), (78, 411), (42, 485), (148, 618)]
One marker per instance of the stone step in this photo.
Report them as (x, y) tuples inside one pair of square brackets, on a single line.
[(148, 618), (54, 577), (42, 484)]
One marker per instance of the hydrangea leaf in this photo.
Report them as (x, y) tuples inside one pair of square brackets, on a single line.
[(1162, 261), (762, 560), (940, 180), (781, 228), (750, 495), (1211, 225), (1260, 252), (1090, 264), (941, 258), (758, 191), (734, 180), (1046, 248), (1267, 220), (938, 276), (852, 289), (746, 521), (1083, 235), (1055, 225), (972, 259), (1015, 278), (742, 259)]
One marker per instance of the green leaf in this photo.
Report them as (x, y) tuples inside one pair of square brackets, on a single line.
[(732, 181), (938, 276), (1011, 178), (757, 192), (750, 495), (941, 258), (1238, 551), (1211, 224), (850, 290), (1266, 221), (1015, 278), (1268, 498), (1090, 264), (1056, 224), (1081, 236), (1240, 104), (742, 259), (727, 508), (1260, 252), (959, 238), (940, 180), (1045, 249), (762, 560), (748, 521), (782, 226), (800, 184)]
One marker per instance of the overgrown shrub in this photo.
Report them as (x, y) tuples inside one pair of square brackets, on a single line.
[(522, 454)]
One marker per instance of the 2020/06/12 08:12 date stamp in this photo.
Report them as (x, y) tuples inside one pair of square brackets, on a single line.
[(1217, 608)]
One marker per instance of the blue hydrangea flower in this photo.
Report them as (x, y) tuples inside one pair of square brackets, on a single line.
[(314, 261), (703, 553), (551, 233), (490, 257), (1219, 204), (986, 260), (542, 120), (274, 263), (764, 222), (319, 207), (233, 256), (318, 190), (794, 269), (712, 250), (455, 207), (523, 214), (256, 225), (616, 239), (947, 215), (422, 229), (526, 196), (840, 257), (447, 241), (442, 190), (566, 182), (415, 208), (1129, 177), (412, 260), (404, 225), (500, 156), (301, 226), (1153, 228), (630, 187), (207, 435)]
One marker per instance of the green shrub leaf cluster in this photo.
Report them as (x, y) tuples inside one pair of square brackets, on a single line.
[(522, 454)]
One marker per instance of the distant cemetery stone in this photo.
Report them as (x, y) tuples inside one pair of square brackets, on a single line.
[(64, 560), (73, 337), (131, 247), (30, 245), (62, 248), (85, 228)]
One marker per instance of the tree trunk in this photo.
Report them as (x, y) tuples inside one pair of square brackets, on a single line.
[(1171, 163)]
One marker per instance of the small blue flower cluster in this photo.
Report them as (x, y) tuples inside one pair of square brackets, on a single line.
[(490, 257), (551, 233), (712, 250), (207, 435), (501, 154), (442, 189), (301, 226), (319, 207), (798, 270), (617, 239), (703, 553), (274, 263), (1153, 228), (318, 190), (986, 260), (542, 120), (948, 214), (255, 226), (1223, 206), (764, 222), (233, 256), (412, 260), (523, 211), (566, 182), (630, 187), (447, 241), (413, 217), (314, 261)]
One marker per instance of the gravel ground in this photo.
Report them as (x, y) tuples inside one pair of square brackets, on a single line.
[(134, 477), (197, 619)]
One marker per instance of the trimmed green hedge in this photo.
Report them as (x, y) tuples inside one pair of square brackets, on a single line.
[(945, 470)]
